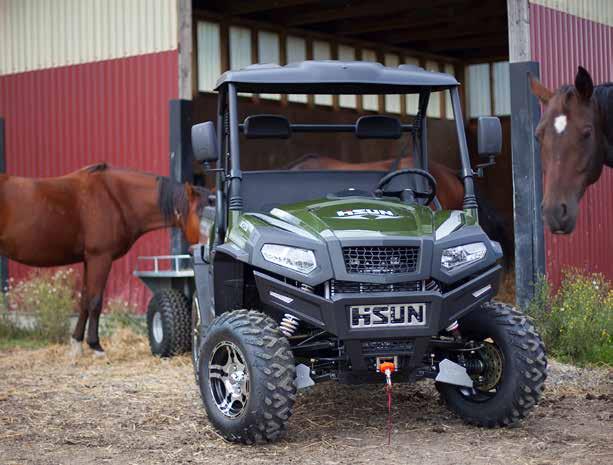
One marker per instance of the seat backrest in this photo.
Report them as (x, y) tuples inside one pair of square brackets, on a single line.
[(265, 190)]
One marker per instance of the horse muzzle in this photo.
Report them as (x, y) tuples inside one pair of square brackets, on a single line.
[(561, 217)]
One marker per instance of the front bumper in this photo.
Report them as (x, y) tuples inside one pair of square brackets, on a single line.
[(333, 315)]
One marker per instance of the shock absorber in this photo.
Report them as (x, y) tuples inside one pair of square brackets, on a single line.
[(454, 329), (289, 324)]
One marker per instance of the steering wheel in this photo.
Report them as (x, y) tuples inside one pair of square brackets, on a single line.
[(428, 196)]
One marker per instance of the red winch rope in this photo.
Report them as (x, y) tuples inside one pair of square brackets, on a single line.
[(387, 369), (389, 414)]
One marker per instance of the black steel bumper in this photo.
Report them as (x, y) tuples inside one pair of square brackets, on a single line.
[(333, 315)]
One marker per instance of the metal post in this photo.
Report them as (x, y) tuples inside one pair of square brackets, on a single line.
[(222, 144), (422, 162), (181, 169), (470, 201), (4, 265), (527, 183), (236, 176)]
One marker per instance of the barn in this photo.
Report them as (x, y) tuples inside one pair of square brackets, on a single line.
[(123, 80)]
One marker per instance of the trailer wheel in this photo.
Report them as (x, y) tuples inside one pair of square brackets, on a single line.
[(247, 377), (169, 323), (515, 368)]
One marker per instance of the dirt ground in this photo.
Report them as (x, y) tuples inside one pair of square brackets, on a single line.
[(133, 408)]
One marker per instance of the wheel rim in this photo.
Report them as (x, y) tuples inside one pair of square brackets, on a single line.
[(486, 386), (195, 333), (158, 330), (229, 379)]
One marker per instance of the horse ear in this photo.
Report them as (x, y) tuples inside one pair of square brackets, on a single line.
[(584, 83), (189, 190), (539, 90)]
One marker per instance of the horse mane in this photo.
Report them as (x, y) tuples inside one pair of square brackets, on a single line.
[(603, 94), (173, 198), (97, 167)]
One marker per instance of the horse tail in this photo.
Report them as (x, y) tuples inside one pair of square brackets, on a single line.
[(494, 226)]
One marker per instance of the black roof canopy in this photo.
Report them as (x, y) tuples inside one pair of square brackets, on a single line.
[(335, 77)]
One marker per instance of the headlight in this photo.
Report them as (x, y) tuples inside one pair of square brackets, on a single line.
[(455, 257), (294, 258)]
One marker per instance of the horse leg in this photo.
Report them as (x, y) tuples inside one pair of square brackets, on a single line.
[(97, 274), (79, 330)]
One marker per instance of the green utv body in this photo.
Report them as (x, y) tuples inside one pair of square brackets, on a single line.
[(309, 276)]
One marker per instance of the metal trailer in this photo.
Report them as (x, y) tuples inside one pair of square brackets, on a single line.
[(171, 279)]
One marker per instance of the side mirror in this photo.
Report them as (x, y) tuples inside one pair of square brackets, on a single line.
[(204, 142), (489, 136)]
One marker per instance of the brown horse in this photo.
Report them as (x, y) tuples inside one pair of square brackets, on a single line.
[(93, 216), (576, 138), (450, 191)]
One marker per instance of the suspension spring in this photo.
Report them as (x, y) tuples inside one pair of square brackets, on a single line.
[(289, 324)]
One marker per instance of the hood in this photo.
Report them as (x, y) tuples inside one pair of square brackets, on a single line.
[(357, 217)]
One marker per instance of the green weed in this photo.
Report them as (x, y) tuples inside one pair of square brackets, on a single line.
[(576, 322)]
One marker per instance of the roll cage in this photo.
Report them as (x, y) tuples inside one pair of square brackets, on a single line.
[(326, 77)]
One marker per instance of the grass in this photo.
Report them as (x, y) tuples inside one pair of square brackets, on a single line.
[(576, 322), (122, 315), (49, 298), (13, 336)]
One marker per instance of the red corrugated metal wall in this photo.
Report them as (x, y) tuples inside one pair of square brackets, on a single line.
[(60, 119), (561, 42)]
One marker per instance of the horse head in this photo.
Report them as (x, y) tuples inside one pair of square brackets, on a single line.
[(572, 144), (181, 206)]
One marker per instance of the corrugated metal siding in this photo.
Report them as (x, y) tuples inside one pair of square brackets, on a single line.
[(37, 34), (561, 42), (61, 119), (600, 11)]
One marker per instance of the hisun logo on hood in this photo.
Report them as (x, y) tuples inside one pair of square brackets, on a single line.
[(366, 213)]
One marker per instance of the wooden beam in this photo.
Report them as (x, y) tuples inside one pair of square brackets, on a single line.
[(519, 30), (437, 12), (186, 45), (350, 10), (491, 26), (468, 42), (245, 7)]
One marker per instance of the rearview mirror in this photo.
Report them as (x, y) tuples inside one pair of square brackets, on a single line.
[(204, 142), (489, 136)]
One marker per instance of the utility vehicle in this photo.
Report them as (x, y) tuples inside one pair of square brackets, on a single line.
[(309, 276)]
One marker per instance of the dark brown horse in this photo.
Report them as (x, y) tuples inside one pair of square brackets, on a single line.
[(576, 138), (450, 191), (93, 216)]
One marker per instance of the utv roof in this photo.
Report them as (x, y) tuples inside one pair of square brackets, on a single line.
[(335, 77)]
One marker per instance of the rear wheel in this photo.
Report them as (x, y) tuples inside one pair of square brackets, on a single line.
[(511, 364), (169, 323), (247, 375)]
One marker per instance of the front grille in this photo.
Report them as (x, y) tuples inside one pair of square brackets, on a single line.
[(351, 287), (381, 260)]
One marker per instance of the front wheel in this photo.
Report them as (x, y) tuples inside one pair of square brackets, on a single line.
[(512, 368), (247, 375)]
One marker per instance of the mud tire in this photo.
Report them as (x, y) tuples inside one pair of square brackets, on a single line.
[(169, 311), (524, 367), (271, 368)]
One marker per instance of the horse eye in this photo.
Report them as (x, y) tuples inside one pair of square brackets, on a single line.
[(587, 132)]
